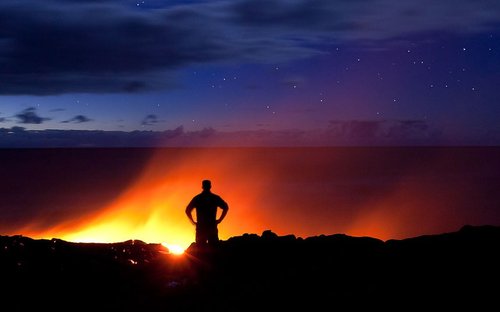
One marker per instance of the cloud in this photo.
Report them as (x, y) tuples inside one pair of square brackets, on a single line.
[(355, 129), (150, 120), (367, 20), (29, 116), (20, 137), (380, 131), (77, 119), (61, 46), (337, 133)]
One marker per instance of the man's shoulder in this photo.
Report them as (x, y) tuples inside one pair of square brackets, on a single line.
[(216, 195), (199, 195), (207, 195), (219, 199)]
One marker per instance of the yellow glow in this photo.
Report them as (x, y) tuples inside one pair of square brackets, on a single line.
[(174, 249), (135, 220), (152, 209)]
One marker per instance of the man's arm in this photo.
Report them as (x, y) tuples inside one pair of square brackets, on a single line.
[(189, 211), (225, 207)]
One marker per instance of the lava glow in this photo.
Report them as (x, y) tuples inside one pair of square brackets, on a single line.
[(359, 192), (174, 249), (152, 209)]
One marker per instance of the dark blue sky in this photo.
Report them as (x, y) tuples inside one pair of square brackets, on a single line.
[(253, 72)]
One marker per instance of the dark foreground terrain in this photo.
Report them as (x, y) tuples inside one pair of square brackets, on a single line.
[(256, 273)]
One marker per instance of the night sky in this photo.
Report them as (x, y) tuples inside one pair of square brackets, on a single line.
[(302, 72), (312, 75)]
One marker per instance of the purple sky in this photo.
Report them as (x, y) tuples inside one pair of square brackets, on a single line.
[(249, 72)]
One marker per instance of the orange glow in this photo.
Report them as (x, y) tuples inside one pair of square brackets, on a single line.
[(289, 191), (174, 249), (152, 209)]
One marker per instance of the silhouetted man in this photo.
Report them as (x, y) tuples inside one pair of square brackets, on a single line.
[(206, 204)]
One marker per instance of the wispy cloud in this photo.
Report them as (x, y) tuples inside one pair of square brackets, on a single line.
[(338, 133), (30, 116), (77, 119), (150, 120), (60, 46)]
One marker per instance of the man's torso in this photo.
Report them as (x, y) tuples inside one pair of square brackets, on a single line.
[(206, 208)]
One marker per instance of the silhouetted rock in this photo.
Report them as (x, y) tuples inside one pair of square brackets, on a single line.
[(255, 273)]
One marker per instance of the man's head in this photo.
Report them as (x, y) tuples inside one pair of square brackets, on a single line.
[(206, 185)]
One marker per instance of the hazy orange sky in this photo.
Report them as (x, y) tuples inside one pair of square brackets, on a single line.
[(379, 192)]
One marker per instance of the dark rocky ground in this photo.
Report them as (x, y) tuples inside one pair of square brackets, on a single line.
[(256, 273)]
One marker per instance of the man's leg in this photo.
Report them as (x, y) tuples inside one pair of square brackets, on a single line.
[(201, 236), (213, 236)]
